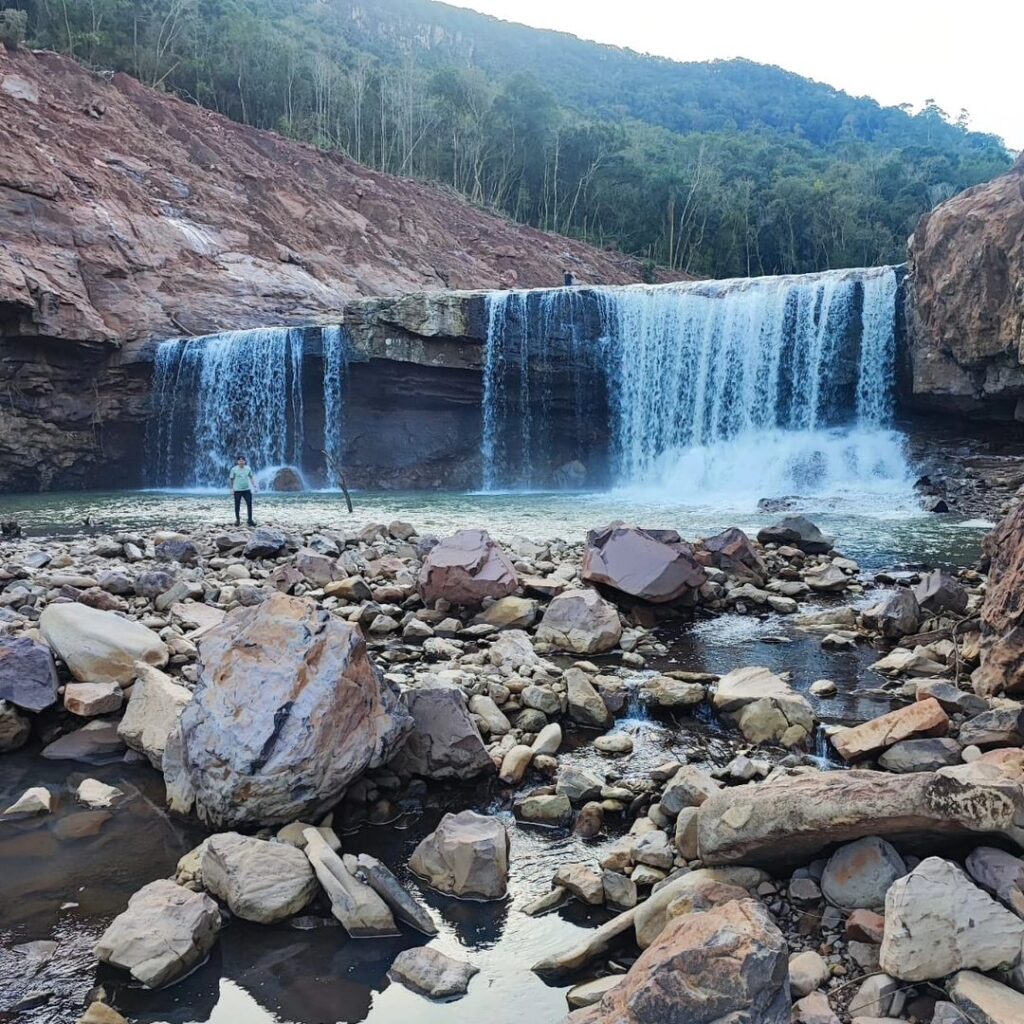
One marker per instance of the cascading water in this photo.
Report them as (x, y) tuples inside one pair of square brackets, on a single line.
[(335, 349), (235, 393), (720, 389)]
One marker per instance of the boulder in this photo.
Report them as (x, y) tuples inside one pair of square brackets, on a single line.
[(765, 707), (921, 719), (258, 880), (97, 646), (177, 549), (897, 615), (1002, 613), (654, 566), (690, 786), (287, 480), (510, 613), (586, 706), (512, 650), (670, 694), (165, 931), (584, 881), (733, 553), (858, 875), (317, 568), (15, 728), (998, 727), (152, 714), (791, 818), (999, 873), (580, 621), (937, 922), (431, 973), (925, 755), (380, 878), (725, 964), (807, 972), (265, 543), (97, 742), (35, 800), (444, 742), (798, 532), (938, 593), (288, 711), (465, 856), (28, 676), (90, 699), (466, 568), (984, 1000)]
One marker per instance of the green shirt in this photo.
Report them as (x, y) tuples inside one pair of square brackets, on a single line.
[(241, 478)]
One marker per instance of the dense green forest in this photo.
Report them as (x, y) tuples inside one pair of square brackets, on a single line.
[(723, 168)]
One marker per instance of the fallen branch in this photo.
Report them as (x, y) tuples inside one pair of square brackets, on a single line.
[(340, 475)]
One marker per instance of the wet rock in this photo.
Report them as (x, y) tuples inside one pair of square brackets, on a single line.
[(97, 742), (580, 621), (28, 677), (670, 694), (466, 568), (544, 808), (287, 480), (579, 784), (165, 931), (99, 646), (444, 742), (152, 714), (924, 755), (729, 963), (584, 881), (765, 706), (1002, 617), (90, 699), (586, 706), (937, 922), (650, 565), (258, 880), (361, 911), (593, 945), (827, 579), (904, 662), (36, 800), (984, 1000), (265, 543), (858, 875), (798, 532), (789, 819), (923, 718), (999, 873), (15, 728), (431, 973), (96, 794), (287, 748), (590, 992), (614, 743), (999, 727), (733, 553), (510, 613), (897, 615), (101, 1013), (466, 856), (386, 885), (938, 593)]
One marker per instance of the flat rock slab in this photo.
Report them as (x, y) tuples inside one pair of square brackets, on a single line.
[(28, 676), (986, 1001), (431, 973), (97, 742), (924, 718)]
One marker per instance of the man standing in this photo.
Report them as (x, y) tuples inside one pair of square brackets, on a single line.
[(242, 483)]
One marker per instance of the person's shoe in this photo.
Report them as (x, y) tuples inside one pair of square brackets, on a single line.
[(238, 522), (250, 523)]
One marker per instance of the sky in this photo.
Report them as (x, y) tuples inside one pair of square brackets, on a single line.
[(961, 54)]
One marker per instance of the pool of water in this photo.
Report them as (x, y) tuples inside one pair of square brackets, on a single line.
[(879, 530)]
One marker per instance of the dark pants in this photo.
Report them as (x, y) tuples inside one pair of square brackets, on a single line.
[(239, 496)]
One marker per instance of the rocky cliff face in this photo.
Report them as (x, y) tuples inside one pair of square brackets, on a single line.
[(965, 311), (127, 215)]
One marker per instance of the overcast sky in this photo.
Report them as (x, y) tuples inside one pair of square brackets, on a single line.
[(962, 53)]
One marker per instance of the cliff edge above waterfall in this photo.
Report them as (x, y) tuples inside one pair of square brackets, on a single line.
[(126, 213), (966, 301)]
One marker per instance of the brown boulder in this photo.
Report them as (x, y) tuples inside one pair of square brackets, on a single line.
[(922, 718), (733, 553), (726, 964), (650, 565), (466, 568), (1002, 614)]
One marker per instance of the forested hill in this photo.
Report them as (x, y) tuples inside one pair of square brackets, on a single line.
[(723, 168)]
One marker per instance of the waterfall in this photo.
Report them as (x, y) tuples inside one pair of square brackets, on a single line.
[(335, 349), (223, 395), (772, 385)]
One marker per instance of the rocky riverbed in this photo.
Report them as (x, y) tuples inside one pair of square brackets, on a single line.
[(525, 772)]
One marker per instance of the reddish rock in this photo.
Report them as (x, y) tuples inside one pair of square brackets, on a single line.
[(650, 565), (733, 553), (1002, 614), (466, 568), (865, 926), (922, 718)]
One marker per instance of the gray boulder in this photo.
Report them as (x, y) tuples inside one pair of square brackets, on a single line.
[(858, 875), (581, 621), (154, 707), (799, 532), (897, 615), (265, 543), (938, 593), (431, 973), (288, 711), (28, 676), (466, 856)]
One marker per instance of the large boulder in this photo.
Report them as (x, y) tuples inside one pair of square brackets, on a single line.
[(922, 719), (28, 677), (938, 593), (791, 818), (154, 707), (445, 742), (432, 973), (466, 856), (466, 568), (649, 565), (799, 532), (1002, 614), (733, 553), (937, 922), (258, 880), (288, 711), (999, 873), (730, 963), (163, 934), (764, 706), (897, 615), (580, 621), (98, 646)]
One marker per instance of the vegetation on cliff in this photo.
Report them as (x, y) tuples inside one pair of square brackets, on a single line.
[(725, 168)]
